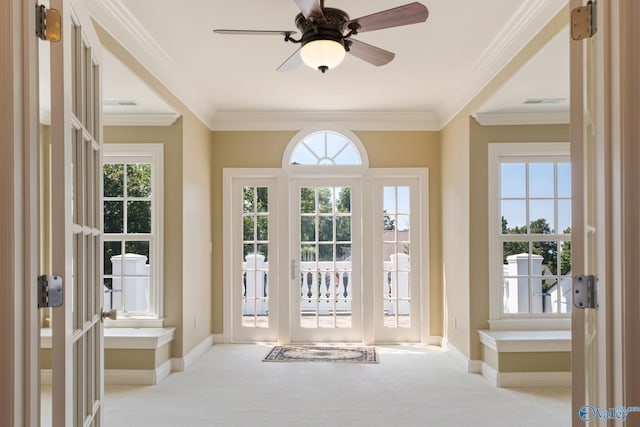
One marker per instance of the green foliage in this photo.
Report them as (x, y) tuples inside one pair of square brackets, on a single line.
[(547, 249), (138, 220), (388, 223), (325, 222)]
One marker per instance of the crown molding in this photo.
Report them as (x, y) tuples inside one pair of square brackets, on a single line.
[(519, 30), (529, 118), (160, 119), (296, 120), (113, 14)]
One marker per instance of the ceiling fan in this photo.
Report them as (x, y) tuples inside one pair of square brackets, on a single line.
[(327, 34)]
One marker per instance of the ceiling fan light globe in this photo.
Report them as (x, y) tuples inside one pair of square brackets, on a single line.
[(322, 54)]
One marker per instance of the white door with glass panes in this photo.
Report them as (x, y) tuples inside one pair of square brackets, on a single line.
[(76, 144), (254, 274), (398, 260), (325, 285)]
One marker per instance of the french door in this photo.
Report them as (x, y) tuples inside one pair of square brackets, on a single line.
[(76, 217), (325, 281), (254, 251), (398, 262), (326, 259)]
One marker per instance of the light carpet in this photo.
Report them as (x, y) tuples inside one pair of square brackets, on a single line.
[(411, 386)]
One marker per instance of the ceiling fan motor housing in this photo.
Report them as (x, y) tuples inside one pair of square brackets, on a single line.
[(331, 27)]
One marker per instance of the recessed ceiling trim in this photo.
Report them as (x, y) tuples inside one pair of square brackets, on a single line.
[(295, 120), (537, 118), (525, 23), (164, 119)]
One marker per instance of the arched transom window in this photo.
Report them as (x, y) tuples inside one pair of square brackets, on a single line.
[(325, 148)]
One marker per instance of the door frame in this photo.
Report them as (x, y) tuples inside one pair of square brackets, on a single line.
[(229, 177), (616, 91), (231, 271), (19, 242), (376, 179), (626, 337)]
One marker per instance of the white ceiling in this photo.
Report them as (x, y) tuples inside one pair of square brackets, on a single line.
[(439, 66)]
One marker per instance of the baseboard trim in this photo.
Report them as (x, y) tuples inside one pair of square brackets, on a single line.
[(130, 376), (458, 356), (179, 364), (490, 374), (163, 371), (219, 339), (436, 340), (525, 379), (124, 376), (533, 379)]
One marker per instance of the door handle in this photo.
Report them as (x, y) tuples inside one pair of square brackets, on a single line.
[(111, 314)]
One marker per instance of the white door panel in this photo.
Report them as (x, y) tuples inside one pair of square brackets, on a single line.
[(254, 276), (325, 286), (590, 156), (77, 349)]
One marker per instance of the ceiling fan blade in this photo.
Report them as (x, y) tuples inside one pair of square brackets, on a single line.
[(254, 32), (292, 62), (310, 8), (371, 54), (411, 13)]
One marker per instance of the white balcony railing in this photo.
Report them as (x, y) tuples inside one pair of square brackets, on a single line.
[(325, 287)]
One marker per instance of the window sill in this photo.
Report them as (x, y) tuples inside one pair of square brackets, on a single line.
[(526, 341), (125, 338)]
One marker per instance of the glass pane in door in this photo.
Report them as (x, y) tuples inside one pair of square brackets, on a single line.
[(255, 265), (396, 282), (325, 257)]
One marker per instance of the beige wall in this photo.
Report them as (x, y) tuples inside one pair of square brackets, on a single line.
[(385, 150), (466, 304), (420, 150), (480, 137), (190, 229), (236, 150), (549, 361), (196, 233), (455, 231), (171, 139)]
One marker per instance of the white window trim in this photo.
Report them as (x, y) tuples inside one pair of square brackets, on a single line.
[(154, 154), (527, 151)]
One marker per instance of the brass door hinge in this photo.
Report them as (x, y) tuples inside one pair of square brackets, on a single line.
[(584, 21), (48, 24)]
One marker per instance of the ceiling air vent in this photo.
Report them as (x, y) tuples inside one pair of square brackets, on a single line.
[(544, 100), (119, 103)]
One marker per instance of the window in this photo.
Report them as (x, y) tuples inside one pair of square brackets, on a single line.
[(325, 148), (530, 230), (132, 202)]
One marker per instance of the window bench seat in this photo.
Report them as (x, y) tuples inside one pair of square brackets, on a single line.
[(133, 356), (514, 359)]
